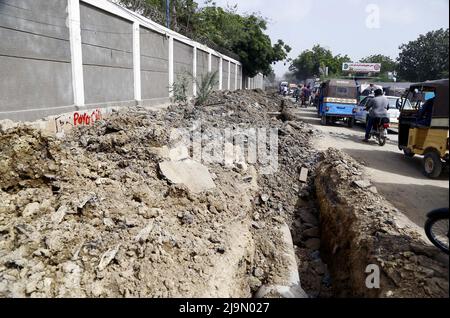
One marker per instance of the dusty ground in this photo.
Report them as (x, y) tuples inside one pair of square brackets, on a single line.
[(90, 214), (397, 178)]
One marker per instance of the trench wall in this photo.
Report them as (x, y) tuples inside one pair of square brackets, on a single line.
[(372, 249)]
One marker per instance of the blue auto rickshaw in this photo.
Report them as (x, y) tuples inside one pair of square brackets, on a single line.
[(338, 101)]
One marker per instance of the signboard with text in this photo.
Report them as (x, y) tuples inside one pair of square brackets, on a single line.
[(361, 67)]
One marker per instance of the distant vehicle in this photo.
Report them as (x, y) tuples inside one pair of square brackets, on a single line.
[(282, 86), (367, 91), (338, 101), (292, 88), (361, 114)]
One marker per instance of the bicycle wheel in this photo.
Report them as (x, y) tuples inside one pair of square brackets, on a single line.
[(437, 228)]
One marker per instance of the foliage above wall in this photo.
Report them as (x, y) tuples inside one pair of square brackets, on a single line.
[(243, 35)]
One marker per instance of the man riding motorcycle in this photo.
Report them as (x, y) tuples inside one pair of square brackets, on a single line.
[(296, 94), (305, 95), (378, 110)]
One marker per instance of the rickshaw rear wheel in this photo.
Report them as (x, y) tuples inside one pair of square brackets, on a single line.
[(324, 120), (408, 153), (432, 165)]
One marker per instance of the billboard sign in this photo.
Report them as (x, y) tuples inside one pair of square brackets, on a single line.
[(361, 67)]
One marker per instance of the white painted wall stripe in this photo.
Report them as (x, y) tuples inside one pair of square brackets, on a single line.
[(209, 62), (236, 77), (194, 72), (229, 75), (137, 61), (220, 73), (76, 52), (171, 67)]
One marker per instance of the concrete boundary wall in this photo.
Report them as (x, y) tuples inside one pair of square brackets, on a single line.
[(233, 76), (35, 57), (255, 82), (62, 56)]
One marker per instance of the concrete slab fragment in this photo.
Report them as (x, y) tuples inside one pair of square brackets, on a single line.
[(192, 174), (179, 153), (304, 175), (363, 184)]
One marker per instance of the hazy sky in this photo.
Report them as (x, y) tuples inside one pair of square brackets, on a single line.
[(347, 26)]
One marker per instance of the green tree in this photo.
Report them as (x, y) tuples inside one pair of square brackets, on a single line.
[(242, 34), (425, 58), (387, 64), (309, 63), (305, 66), (182, 12), (152, 9)]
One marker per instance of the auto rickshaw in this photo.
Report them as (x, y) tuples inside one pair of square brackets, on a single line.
[(338, 101), (424, 125)]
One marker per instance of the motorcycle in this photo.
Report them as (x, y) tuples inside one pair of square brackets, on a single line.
[(304, 101), (296, 95), (436, 229), (380, 130)]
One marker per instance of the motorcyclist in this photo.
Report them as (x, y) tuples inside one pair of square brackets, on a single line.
[(306, 93), (378, 109), (296, 94)]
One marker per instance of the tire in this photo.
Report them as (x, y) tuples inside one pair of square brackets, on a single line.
[(382, 141), (350, 122), (435, 219), (324, 120), (432, 165), (408, 153)]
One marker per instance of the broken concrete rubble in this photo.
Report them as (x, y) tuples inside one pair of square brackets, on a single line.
[(110, 196), (193, 175)]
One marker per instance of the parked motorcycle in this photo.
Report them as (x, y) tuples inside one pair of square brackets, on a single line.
[(436, 229), (380, 131)]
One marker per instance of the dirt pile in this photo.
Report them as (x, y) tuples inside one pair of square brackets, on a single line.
[(90, 214), (360, 228)]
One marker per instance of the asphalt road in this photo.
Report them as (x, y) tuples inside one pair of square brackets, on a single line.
[(398, 178)]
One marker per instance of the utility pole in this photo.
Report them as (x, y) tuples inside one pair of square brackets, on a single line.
[(168, 13)]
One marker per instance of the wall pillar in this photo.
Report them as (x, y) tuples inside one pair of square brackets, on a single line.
[(137, 62), (76, 52), (171, 67), (194, 72), (209, 63), (236, 77), (229, 75), (240, 78), (221, 74)]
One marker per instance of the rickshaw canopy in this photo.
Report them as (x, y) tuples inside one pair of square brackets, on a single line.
[(440, 88), (338, 88)]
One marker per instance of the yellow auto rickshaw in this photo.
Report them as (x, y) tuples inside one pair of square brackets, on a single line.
[(424, 125)]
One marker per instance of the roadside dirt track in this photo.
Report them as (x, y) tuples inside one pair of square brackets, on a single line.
[(397, 178)]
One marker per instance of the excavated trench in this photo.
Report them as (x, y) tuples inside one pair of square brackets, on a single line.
[(363, 234), (342, 228)]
